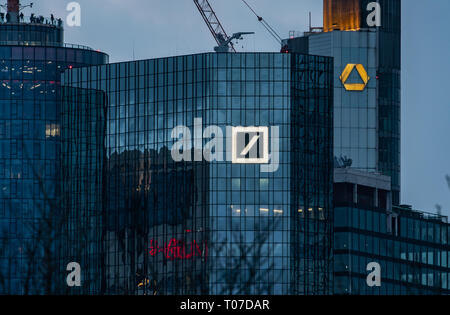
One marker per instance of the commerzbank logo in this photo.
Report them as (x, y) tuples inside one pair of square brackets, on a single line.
[(362, 73), (238, 145)]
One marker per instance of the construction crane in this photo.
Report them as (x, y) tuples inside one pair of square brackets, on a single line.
[(264, 23), (270, 29), (224, 42)]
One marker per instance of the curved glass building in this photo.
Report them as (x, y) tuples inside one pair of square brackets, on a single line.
[(32, 56)]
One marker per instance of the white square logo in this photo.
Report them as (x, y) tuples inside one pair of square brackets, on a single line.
[(250, 145)]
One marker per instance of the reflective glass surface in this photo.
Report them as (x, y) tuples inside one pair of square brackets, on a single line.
[(413, 253), (193, 227), (30, 152)]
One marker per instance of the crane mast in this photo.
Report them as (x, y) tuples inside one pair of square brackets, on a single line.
[(213, 23), (224, 42)]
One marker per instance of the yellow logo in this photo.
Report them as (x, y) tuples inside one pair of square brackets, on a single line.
[(362, 73)]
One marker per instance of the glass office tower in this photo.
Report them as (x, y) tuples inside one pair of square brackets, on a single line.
[(32, 57), (231, 224), (412, 247), (367, 64)]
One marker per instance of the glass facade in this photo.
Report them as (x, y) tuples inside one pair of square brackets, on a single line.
[(169, 226), (83, 139), (30, 152), (389, 93), (355, 112), (31, 34), (367, 121), (413, 262), (411, 247)]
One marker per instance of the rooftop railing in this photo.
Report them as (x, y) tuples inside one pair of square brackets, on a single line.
[(31, 43), (32, 19), (407, 210)]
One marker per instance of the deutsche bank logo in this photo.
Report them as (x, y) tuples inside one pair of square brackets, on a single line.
[(238, 145), (250, 145)]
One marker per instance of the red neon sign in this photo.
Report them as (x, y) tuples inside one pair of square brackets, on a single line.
[(178, 249)]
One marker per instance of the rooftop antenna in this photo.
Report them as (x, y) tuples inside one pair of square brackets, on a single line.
[(310, 23), (439, 210), (313, 29)]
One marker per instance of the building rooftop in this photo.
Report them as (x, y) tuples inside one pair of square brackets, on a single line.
[(354, 176), (379, 181), (17, 29), (407, 210), (32, 19), (14, 15)]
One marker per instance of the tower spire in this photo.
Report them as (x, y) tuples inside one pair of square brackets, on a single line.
[(13, 6), (13, 9)]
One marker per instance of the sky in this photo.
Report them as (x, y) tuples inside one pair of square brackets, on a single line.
[(143, 29)]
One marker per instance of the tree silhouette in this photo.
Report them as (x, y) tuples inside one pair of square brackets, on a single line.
[(41, 251)]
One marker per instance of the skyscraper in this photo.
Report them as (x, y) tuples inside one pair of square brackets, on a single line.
[(32, 57), (367, 61), (158, 224), (411, 247)]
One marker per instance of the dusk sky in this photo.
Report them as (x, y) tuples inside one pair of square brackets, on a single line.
[(159, 28)]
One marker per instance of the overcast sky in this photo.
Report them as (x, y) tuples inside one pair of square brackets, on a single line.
[(157, 28)]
